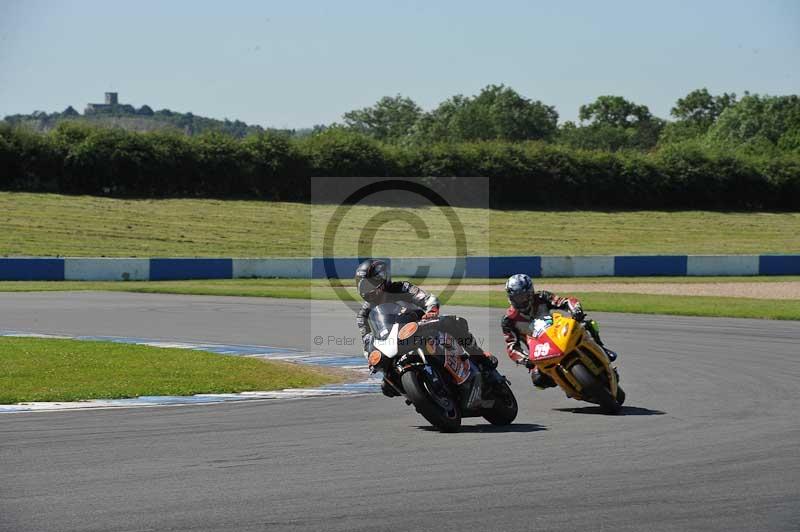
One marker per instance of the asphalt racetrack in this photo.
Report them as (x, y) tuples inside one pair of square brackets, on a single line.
[(709, 439)]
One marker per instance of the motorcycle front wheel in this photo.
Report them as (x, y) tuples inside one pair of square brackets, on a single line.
[(620, 395), (595, 389), (505, 407), (434, 405)]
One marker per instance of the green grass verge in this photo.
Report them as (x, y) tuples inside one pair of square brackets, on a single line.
[(594, 301), (706, 306), (80, 226), (36, 369)]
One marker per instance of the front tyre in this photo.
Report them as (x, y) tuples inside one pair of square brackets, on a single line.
[(434, 405), (505, 407), (594, 389), (620, 395)]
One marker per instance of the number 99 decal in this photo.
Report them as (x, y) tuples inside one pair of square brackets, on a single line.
[(541, 350)]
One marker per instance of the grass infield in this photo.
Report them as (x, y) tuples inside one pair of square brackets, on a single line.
[(87, 226), (38, 369)]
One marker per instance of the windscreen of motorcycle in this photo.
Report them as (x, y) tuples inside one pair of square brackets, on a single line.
[(384, 316), (540, 325)]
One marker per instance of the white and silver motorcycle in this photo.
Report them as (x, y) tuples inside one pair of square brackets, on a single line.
[(433, 372)]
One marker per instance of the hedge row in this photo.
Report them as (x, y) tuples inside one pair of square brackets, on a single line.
[(80, 160)]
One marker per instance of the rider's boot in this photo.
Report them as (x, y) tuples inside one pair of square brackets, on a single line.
[(541, 380), (594, 330), (483, 359), (612, 355), (486, 364)]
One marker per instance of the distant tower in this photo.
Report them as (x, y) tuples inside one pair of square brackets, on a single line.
[(111, 98)]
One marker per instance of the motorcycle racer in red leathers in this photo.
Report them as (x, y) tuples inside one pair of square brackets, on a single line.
[(527, 305)]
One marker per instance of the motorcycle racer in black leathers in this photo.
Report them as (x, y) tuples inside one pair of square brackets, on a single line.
[(375, 286)]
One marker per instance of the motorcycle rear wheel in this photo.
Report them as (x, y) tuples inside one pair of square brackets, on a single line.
[(595, 389), (446, 420), (505, 406)]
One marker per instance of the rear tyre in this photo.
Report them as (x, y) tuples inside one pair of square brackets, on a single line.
[(595, 390), (505, 407), (441, 412)]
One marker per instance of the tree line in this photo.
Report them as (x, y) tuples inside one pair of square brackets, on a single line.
[(143, 119), (753, 124), (718, 151), (74, 158)]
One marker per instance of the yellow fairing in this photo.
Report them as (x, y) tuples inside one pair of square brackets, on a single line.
[(564, 333), (577, 346)]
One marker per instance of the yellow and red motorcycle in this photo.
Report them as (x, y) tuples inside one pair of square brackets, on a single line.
[(564, 349)]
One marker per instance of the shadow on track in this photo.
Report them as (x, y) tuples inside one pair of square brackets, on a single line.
[(489, 429), (626, 411)]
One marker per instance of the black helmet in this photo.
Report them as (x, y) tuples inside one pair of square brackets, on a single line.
[(372, 275), (519, 288)]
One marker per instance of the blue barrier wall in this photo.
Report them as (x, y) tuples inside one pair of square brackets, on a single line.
[(341, 268), (498, 267), (176, 269), (164, 269), (636, 266), (31, 269), (779, 265)]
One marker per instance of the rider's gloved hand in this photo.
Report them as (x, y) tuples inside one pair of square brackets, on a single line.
[(367, 339), (431, 314), (528, 363), (578, 314)]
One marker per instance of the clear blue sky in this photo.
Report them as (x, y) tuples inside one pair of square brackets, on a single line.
[(295, 64)]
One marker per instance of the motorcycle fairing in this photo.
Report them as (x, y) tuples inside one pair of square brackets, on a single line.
[(454, 362), (388, 346), (563, 344), (543, 348), (552, 337)]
